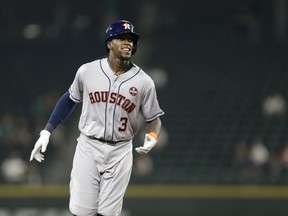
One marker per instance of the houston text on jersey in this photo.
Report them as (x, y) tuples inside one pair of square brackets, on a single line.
[(114, 98)]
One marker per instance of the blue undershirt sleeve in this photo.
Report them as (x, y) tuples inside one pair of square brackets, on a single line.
[(62, 110)]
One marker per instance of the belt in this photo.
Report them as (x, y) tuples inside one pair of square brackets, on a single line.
[(104, 141)]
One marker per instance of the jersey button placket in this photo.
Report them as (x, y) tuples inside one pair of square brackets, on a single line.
[(109, 122), (111, 110)]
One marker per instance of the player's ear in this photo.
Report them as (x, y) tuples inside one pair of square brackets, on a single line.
[(108, 44)]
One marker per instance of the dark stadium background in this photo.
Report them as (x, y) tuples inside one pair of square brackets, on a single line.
[(221, 73)]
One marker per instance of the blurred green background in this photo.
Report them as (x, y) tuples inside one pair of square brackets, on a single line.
[(221, 73)]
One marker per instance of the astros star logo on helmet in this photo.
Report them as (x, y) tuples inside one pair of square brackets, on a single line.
[(126, 26)]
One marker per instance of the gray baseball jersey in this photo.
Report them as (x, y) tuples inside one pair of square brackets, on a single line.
[(110, 109), (111, 103)]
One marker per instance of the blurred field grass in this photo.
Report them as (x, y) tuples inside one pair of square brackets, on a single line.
[(158, 191)]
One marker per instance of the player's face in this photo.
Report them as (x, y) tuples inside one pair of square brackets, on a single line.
[(122, 46)]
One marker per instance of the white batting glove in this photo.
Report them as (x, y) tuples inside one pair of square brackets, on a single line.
[(149, 143), (40, 146)]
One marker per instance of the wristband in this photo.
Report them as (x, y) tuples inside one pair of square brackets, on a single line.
[(154, 135)]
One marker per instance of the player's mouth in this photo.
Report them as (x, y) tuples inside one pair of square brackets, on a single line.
[(127, 49)]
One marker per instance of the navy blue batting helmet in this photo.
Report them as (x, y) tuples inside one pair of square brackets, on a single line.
[(121, 27)]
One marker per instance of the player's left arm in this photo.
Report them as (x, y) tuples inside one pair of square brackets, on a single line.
[(151, 111), (154, 126), (153, 129)]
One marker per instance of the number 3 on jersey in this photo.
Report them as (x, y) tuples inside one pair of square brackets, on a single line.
[(124, 121)]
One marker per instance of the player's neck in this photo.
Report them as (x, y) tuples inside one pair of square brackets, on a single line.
[(119, 66)]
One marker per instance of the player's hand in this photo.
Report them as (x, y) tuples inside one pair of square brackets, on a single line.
[(149, 143), (40, 146)]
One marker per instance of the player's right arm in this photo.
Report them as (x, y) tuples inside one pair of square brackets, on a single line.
[(62, 110)]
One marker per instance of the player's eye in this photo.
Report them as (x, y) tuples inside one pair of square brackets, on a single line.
[(125, 37)]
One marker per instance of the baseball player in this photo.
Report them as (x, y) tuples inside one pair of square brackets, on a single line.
[(114, 92)]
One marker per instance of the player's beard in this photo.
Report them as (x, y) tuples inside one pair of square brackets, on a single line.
[(125, 57), (125, 54)]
